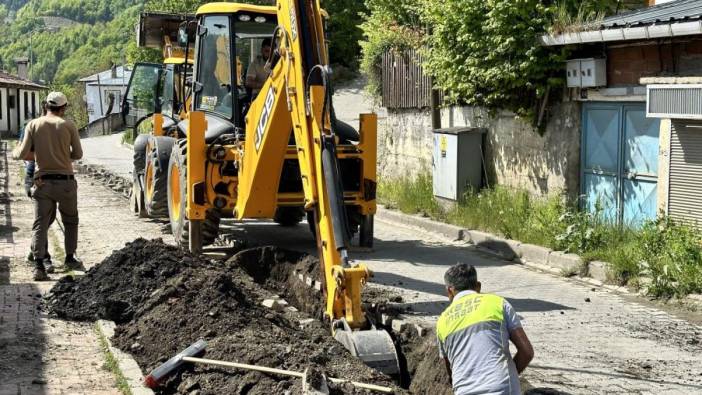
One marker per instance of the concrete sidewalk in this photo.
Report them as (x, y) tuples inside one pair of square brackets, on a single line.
[(38, 354)]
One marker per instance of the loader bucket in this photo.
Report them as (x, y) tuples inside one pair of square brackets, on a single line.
[(374, 347)]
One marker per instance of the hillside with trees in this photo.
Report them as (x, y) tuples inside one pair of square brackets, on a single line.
[(71, 39)]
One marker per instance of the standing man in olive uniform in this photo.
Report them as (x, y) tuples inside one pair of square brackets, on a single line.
[(56, 145)]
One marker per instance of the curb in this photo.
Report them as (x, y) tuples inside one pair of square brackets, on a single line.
[(596, 273), (125, 363), (453, 232)]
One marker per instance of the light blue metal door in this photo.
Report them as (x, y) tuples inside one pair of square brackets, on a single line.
[(619, 161)]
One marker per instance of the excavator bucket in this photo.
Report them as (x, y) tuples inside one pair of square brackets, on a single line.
[(374, 347)]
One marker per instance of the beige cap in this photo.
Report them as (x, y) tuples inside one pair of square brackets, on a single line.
[(56, 99)]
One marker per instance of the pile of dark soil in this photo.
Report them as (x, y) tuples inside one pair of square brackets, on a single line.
[(115, 288), (166, 299)]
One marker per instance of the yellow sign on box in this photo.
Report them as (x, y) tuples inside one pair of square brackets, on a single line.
[(443, 142)]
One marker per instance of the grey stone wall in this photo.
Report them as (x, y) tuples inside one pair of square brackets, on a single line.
[(404, 143), (516, 155)]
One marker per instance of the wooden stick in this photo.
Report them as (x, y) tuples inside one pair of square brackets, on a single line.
[(265, 369)]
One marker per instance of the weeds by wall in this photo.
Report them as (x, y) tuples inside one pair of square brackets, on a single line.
[(667, 252)]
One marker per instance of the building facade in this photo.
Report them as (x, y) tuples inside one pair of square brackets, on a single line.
[(104, 92), (640, 132), (20, 102)]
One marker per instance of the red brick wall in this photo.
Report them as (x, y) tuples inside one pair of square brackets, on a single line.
[(626, 65)]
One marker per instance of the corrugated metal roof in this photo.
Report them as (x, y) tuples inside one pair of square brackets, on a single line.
[(9, 79), (674, 11)]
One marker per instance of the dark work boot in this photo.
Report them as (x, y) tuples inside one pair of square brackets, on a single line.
[(48, 264), (40, 272), (74, 263)]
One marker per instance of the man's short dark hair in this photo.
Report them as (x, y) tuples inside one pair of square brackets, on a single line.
[(266, 42), (55, 109), (461, 277)]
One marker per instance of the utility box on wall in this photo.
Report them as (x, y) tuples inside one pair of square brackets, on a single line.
[(586, 73), (457, 161)]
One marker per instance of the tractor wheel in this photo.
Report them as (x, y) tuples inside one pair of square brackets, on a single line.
[(140, 154), (365, 234), (177, 199), (354, 220), (158, 153), (136, 200), (289, 216)]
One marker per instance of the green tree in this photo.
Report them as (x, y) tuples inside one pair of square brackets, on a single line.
[(388, 25), (487, 53)]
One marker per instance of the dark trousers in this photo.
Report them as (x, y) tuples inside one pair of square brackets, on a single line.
[(48, 194)]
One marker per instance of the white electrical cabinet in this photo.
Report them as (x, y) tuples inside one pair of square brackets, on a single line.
[(586, 73), (457, 161)]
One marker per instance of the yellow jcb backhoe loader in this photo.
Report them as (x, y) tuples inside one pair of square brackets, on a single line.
[(279, 154)]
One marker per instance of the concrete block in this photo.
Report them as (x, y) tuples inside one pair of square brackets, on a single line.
[(507, 249), (476, 237), (291, 309), (598, 270), (386, 319), (309, 281), (271, 304), (306, 322), (534, 253), (318, 286), (282, 304), (421, 331), (567, 263), (399, 325)]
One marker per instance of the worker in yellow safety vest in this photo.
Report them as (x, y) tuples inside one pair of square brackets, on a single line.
[(474, 334)]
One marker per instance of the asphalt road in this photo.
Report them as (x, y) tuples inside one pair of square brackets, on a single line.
[(587, 340)]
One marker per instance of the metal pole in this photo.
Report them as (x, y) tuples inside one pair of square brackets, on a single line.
[(102, 115)]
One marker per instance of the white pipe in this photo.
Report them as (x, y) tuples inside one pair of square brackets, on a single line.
[(372, 387)]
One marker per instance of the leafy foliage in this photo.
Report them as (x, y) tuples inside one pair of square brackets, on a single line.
[(479, 52), (671, 255), (388, 25), (486, 53)]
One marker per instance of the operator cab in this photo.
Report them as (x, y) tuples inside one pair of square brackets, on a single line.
[(219, 84)]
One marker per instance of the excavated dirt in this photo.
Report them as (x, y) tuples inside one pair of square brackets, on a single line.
[(425, 371), (115, 288), (164, 299)]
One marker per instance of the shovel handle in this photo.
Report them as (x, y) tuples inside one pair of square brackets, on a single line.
[(265, 369)]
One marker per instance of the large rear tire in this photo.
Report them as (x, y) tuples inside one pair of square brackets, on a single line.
[(289, 216), (176, 191), (158, 154)]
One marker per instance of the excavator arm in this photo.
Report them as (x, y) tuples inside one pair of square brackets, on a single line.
[(295, 100), (297, 97)]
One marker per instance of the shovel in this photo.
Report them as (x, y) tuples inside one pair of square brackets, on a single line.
[(189, 355)]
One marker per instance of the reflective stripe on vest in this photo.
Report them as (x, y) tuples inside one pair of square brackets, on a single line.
[(469, 310)]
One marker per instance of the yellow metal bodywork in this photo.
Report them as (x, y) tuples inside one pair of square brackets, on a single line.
[(233, 8), (281, 108), (157, 120), (195, 156)]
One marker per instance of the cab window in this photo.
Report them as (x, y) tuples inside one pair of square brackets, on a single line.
[(214, 68)]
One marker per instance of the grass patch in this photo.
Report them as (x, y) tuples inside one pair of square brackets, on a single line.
[(667, 252), (111, 364), (59, 252)]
